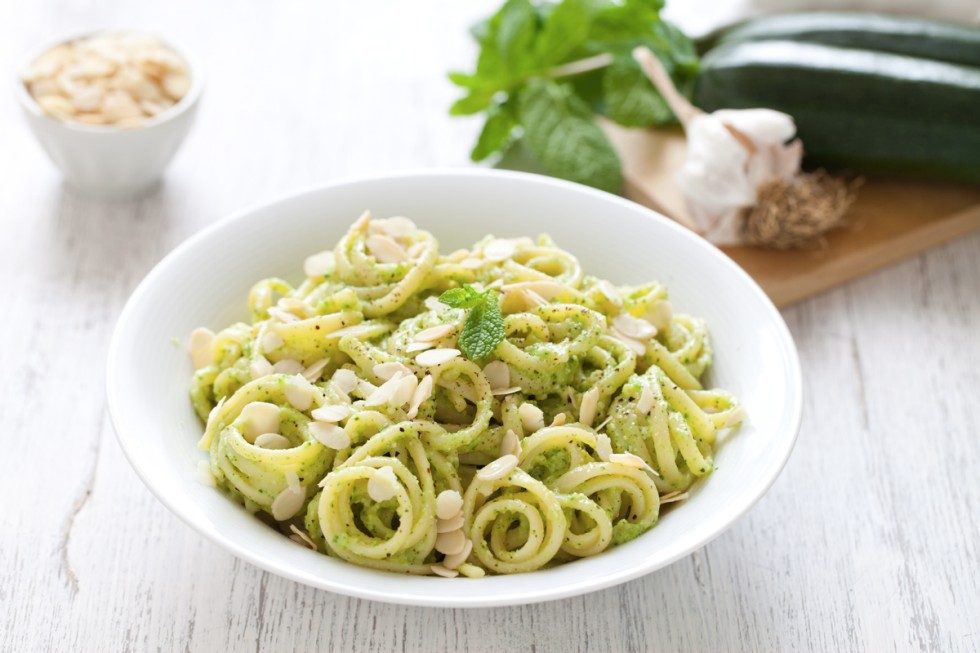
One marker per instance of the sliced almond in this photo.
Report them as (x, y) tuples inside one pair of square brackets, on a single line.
[(299, 392), (404, 390), (448, 504), (674, 496), (559, 419), (631, 460), (329, 434), (590, 404), (454, 560), (505, 391), (385, 371), (288, 366), (434, 357), (546, 289), (345, 379), (451, 542), (432, 334), (331, 413), (660, 314), (201, 347), (314, 370), (499, 250), (638, 347), (510, 444), (384, 393), (302, 537), (176, 85), (433, 304), (288, 502), (319, 264), (395, 226), (498, 374), (645, 402), (272, 341), (278, 313), (422, 392), (56, 106), (382, 485), (531, 417), (603, 446), (439, 570), (451, 524), (634, 327), (413, 346), (498, 468), (609, 292), (273, 441), (385, 249), (259, 417)]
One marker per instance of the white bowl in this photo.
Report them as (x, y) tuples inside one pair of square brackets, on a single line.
[(109, 161), (205, 281)]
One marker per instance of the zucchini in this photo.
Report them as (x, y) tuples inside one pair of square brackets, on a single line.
[(856, 109), (914, 37)]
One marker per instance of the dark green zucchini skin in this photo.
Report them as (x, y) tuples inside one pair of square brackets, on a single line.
[(914, 37), (870, 112)]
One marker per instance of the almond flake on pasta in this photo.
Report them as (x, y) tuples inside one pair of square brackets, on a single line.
[(384, 393), (272, 340), (318, 265), (609, 292), (282, 315), (510, 444), (450, 542), (345, 379), (674, 496), (448, 504), (288, 502), (500, 392), (201, 347), (382, 485), (498, 374), (451, 524), (590, 404), (385, 249), (603, 446), (439, 570), (531, 416), (329, 434), (385, 371), (645, 402), (404, 390), (313, 372), (413, 347), (454, 560), (422, 392), (303, 538), (259, 367), (434, 333), (331, 413), (498, 469), (499, 250), (435, 357), (634, 327), (288, 366), (259, 417), (299, 392), (660, 314), (272, 441), (433, 304), (638, 347), (631, 460)]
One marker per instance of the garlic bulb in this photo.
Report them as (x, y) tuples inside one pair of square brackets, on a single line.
[(732, 156)]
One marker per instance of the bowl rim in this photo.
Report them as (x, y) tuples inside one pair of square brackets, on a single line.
[(392, 594), (182, 106)]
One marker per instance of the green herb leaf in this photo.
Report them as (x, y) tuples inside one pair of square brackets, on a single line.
[(560, 133), (483, 329), (496, 134), (630, 98), (513, 29), (564, 30), (463, 297)]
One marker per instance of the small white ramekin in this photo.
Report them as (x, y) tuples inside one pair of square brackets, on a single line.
[(110, 161)]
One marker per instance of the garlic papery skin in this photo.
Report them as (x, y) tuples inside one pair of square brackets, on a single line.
[(731, 154)]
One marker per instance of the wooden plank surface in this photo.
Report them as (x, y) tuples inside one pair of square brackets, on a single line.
[(891, 220), (868, 541)]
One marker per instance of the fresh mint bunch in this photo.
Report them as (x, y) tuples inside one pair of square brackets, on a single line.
[(483, 329), (545, 69)]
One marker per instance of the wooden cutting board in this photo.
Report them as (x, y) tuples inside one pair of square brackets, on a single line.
[(891, 220)]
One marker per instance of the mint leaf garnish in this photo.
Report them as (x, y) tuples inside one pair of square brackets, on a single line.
[(559, 131), (483, 329)]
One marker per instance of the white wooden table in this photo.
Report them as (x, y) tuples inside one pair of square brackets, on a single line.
[(869, 540)]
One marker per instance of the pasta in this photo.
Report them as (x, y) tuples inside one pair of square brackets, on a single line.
[(345, 414)]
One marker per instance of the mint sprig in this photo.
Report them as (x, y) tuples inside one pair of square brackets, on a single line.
[(483, 329), (546, 69)]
